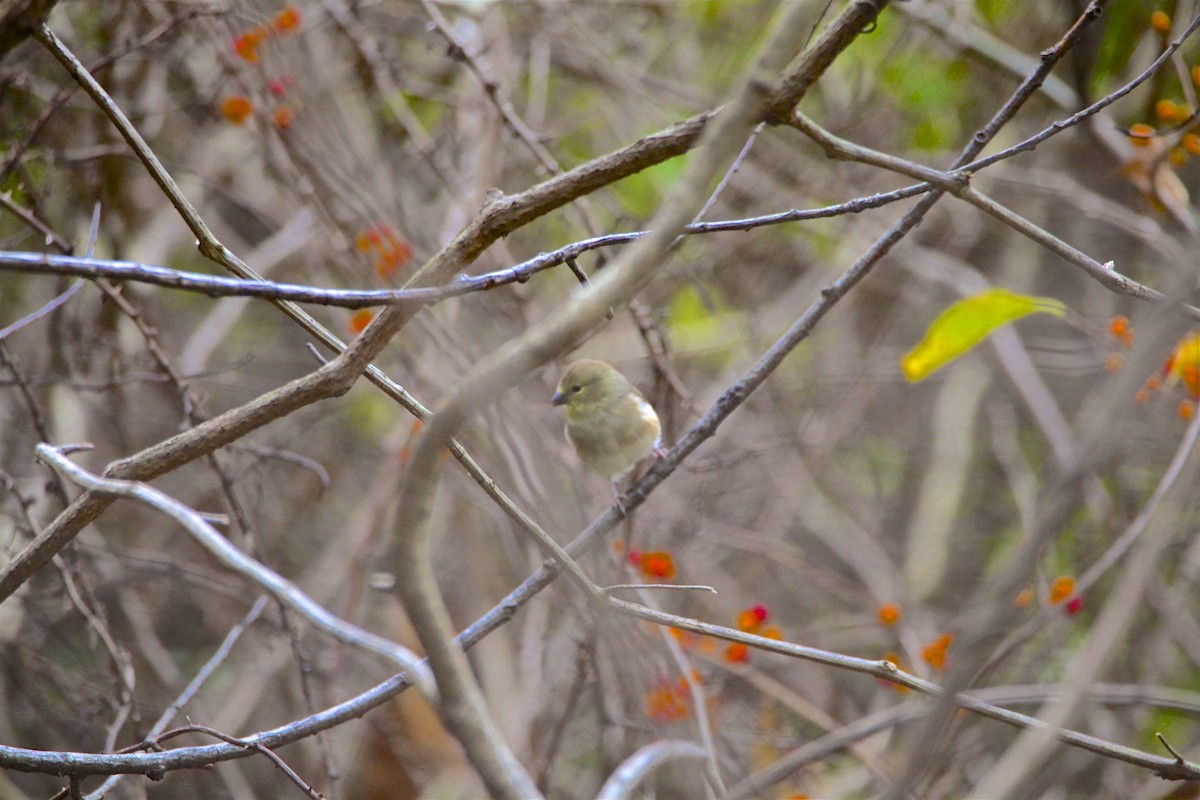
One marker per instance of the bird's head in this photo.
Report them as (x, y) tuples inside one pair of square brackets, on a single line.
[(587, 384)]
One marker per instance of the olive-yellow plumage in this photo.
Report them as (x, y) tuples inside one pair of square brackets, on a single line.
[(609, 423)]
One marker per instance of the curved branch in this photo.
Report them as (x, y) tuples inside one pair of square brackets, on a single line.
[(639, 766), (219, 547)]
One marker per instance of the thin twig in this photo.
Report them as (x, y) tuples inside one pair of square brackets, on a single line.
[(218, 546), (953, 183), (45, 310), (201, 677), (255, 747)]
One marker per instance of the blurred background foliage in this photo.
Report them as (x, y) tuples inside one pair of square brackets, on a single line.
[(345, 149)]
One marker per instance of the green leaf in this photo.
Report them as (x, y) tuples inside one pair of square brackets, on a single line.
[(702, 326), (967, 323), (640, 194)]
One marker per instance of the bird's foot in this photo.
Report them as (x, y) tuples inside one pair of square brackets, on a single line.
[(619, 501)]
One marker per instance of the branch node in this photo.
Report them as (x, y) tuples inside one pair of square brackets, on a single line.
[(1163, 740), (577, 271)]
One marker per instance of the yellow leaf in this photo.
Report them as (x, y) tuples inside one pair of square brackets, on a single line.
[(967, 323)]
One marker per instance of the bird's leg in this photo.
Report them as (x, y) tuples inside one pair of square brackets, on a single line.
[(618, 498)]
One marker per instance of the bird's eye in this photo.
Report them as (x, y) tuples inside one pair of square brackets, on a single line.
[(576, 388)]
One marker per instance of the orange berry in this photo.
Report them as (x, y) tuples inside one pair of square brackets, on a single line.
[(1141, 397), (751, 618), (237, 109), (1024, 597), (1167, 110), (246, 46), (1118, 325), (894, 659), (1191, 378), (392, 258), (684, 683), (658, 564), (1187, 410), (888, 614), (366, 239), (283, 116), (1153, 383), (686, 639), (360, 320), (935, 654), (1191, 143), (287, 20), (1160, 21), (1061, 588), (406, 451), (737, 653), (772, 632), (1195, 73), (664, 705), (746, 621), (1140, 134)]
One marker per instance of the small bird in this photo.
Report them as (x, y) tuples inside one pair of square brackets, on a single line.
[(609, 423)]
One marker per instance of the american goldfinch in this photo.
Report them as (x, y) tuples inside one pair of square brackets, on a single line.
[(609, 423)]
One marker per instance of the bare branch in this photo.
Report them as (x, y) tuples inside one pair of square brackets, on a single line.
[(465, 712), (217, 545), (642, 764)]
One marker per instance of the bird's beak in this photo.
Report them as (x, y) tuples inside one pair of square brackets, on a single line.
[(559, 399)]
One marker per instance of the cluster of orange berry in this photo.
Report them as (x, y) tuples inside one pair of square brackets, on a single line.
[(1169, 112), (934, 654), (669, 701), (388, 254), (751, 620), (238, 108), (1062, 588), (657, 565), (246, 44), (1181, 369), (388, 251), (1166, 142)]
